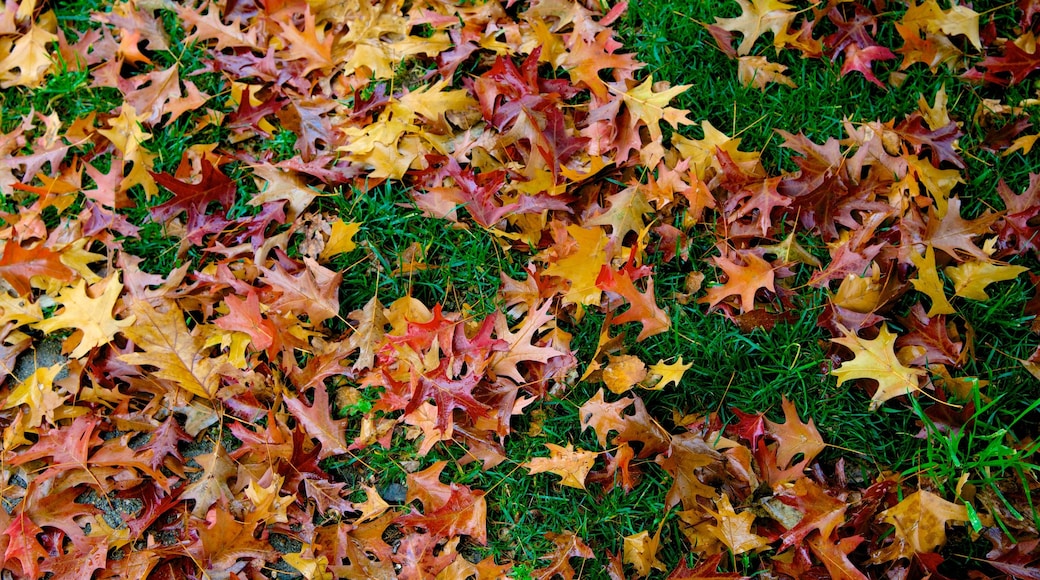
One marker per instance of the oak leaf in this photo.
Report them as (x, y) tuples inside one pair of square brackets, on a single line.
[(757, 71), (91, 317), (520, 345), (313, 290), (742, 280), (318, 422), (652, 107), (23, 546), (19, 265), (642, 306), (971, 278), (876, 359), (603, 417), (37, 392), (244, 316), (835, 556), (666, 374), (212, 486), (735, 530), (623, 372), (794, 436), (928, 282), (341, 239), (920, 521), (582, 266), (640, 550), (567, 545), (177, 354), (449, 510), (195, 198), (571, 464), (30, 56), (757, 17)]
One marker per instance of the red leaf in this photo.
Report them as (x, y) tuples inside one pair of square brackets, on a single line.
[(861, 59), (1010, 69), (194, 198), (244, 316), (23, 545)]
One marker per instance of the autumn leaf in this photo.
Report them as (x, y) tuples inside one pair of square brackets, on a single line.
[(928, 282), (735, 530), (742, 280), (18, 266), (177, 354), (571, 464), (640, 550), (623, 372), (651, 107), (876, 359), (582, 267), (667, 373), (91, 316), (244, 316), (920, 521), (756, 18), (23, 545), (603, 417), (970, 279), (341, 239), (520, 344), (31, 56), (757, 71), (794, 436), (566, 545)]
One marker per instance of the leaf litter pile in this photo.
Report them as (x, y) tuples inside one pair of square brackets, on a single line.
[(183, 246)]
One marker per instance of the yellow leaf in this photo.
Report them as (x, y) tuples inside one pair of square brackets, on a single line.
[(971, 278), (859, 293), (936, 116), (91, 317), (928, 282), (640, 550), (582, 267), (651, 107), (175, 352), (961, 20), (938, 182), (373, 506), (623, 372), (77, 257), (37, 392), (757, 17), (31, 57), (309, 567), (701, 153), (570, 464), (341, 240), (1024, 144), (735, 530), (126, 134), (876, 359), (920, 520), (18, 309), (268, 505), (757, 71), (669, 373), (277, 185)]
